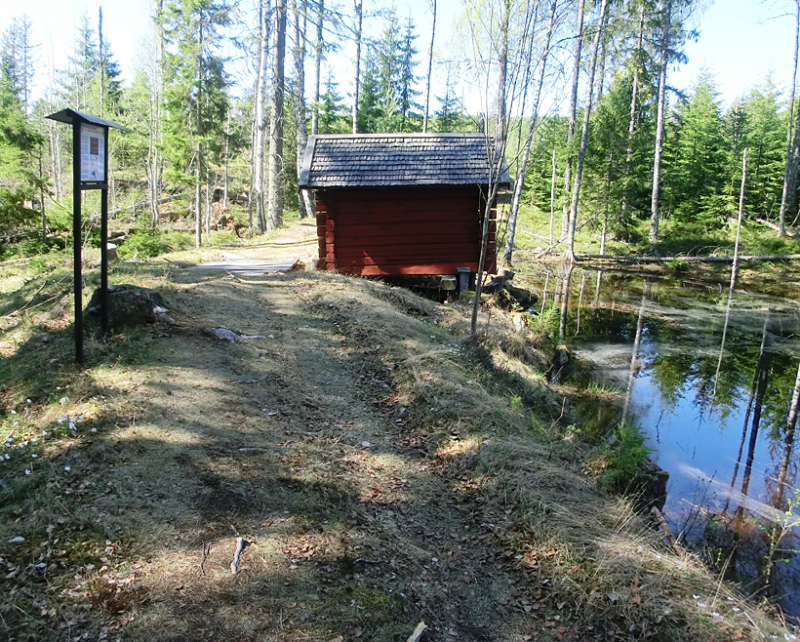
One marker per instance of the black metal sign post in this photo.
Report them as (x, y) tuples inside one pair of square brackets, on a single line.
[(89, 171)]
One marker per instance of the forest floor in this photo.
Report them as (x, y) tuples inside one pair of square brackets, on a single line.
[(381, 468)]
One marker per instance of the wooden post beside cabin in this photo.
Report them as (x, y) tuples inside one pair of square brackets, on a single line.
[(401, 204)]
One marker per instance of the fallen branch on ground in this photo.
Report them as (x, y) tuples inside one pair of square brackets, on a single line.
[(240, 544), (662, 523), (206, 551), (417, 634)]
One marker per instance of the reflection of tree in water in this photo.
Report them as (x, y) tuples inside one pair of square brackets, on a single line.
[(634, 365), (713, 361)]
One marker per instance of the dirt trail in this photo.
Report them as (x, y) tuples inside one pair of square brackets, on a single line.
[(289, 442), (380, 472)]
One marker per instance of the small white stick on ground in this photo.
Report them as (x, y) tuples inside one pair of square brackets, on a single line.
[(240, 544)]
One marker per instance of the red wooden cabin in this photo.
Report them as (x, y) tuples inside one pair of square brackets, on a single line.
[(395, 204)]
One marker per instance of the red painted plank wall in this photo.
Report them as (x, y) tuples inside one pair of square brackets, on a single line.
[(396, 231)]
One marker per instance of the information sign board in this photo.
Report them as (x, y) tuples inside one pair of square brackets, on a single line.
[(93, 153)]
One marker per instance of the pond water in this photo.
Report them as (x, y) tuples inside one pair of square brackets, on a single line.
[(708, 376)]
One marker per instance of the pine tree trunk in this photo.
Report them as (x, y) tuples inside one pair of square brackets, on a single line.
[(515, 201), (576, 190), (304, 201), (275, 195), (662, 92), (430, 68), (259, 125), (792, 151), (317, 67), (573, 119), (359, 20)]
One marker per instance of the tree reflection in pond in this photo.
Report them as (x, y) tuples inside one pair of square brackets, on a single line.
[(710, 377)]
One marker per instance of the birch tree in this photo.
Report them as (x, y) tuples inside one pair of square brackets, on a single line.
[(573, 212), (666, 29), (573, 116), (792, 141), (523, 165)]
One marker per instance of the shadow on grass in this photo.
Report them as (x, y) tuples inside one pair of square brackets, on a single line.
[(355, 448)]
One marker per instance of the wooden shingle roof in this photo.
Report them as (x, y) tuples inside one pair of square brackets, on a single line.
[(383, 160)]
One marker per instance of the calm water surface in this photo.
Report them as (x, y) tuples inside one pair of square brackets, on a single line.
[(708, 376)]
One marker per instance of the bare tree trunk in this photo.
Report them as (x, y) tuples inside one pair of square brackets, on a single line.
[(564, 300), (275, 198), (502, 74), (602, 75), (430, 68), (573, 119), (207, 200), (102, 62), (580, 305), (154, 159), (512, 215), (317, 67), (735, 266), (633, 117), (259, 130), (573, 211), (41, 197), (55, 157), (604, 232), (359, 20), (792, 151), (304, 204), (552, 197), (198, 219), (198, 149), (662, 92)]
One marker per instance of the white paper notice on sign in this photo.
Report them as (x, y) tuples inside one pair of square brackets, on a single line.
[(93, 153)]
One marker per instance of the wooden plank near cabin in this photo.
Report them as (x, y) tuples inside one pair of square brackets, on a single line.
[(402, 208), (414, 230), (360, 242), (399, 270), (388, 259)]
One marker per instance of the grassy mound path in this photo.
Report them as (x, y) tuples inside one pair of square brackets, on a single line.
[(372, 461)]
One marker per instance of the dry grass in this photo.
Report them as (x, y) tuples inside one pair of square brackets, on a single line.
[(367, 452)]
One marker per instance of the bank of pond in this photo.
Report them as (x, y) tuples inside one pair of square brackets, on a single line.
[(706, 373)]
